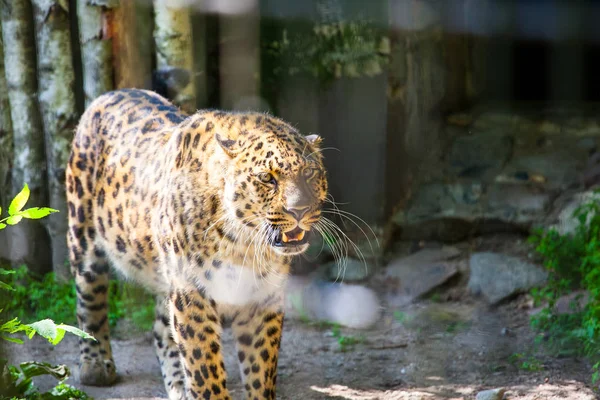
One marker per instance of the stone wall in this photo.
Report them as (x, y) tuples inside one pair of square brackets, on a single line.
[(503, 169)]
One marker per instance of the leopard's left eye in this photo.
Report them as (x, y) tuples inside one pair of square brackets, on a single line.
[(308, 173), (266, 177)]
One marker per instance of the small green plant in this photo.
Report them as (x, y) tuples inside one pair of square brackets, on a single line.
[(345, 342), (400, 316), (457, 326), (573, 263), (16, 382), (16, 212), (30, 294), (526, 363)]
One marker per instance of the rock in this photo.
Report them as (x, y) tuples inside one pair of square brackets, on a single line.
[(493, 394), (567, 304), (411, 277), (505, 119), (460, 119), (451, 211), (579, 126), (549, 128), (352, 270), (517, 203), (479, 155), (460, 199), (560, 168), (565, 222), (499, 276)]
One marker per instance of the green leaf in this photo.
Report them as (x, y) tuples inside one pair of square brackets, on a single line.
[(6, 286), (19, 201), (6, 271), (2, 225), (11, 339), (76, 331), (37, 212), (45, 328), (33, 368), (13, 220)]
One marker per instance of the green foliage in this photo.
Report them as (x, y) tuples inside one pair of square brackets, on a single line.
[(17, 382), (16, 212), (346, 342), (332, 50), (30, 295), (573, 263), (400, 316), (130, 302), (526, 363)]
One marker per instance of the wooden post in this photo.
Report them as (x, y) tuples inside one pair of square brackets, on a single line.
[(95, 19), (240, 58), (132, 47), (173, 40), (29, 240), (57, 104)]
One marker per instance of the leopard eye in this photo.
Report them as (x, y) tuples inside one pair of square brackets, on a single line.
[(309, 173), (266, 177)]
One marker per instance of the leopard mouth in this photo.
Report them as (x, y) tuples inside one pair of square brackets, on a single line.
[(295, 237)]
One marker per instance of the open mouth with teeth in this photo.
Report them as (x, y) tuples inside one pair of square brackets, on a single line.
[(295, 237)]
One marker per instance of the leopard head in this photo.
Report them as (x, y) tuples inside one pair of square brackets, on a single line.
[(275, 184)]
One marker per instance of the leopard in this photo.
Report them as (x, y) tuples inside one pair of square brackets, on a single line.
[(206, 211)]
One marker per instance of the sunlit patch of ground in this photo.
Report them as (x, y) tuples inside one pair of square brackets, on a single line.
[(566, 391)]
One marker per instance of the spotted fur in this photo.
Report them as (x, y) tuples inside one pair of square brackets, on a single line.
[(194, 208)]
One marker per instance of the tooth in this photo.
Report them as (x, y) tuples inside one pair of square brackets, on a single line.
[(285, 238), (300, 236)]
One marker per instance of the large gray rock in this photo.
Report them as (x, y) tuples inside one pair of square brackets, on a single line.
[(565, 221), (498, 276), (492, 394), (452, 211), (480, 155), (411, 277), (517, 203)]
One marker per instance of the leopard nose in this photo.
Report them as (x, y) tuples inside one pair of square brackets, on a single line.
[(297, 212)]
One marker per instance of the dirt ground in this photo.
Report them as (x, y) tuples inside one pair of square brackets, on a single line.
[(428, 350)]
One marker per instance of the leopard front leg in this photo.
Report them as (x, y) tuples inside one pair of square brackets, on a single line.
[(257, 330), (168, 353), (197, 331)]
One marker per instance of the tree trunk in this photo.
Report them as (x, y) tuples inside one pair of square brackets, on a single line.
[(6, 135), (132, 56), (57, 103), (29, 240), (240, 59), (95, 18), (6, 151), (172, 37)]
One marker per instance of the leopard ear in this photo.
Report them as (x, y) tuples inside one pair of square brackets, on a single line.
[(230, 146), (314, 139)]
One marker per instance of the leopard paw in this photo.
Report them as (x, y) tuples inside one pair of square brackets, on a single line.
[(97, 372)]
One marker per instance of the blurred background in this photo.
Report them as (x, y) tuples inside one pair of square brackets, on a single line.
[(461, 141)]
